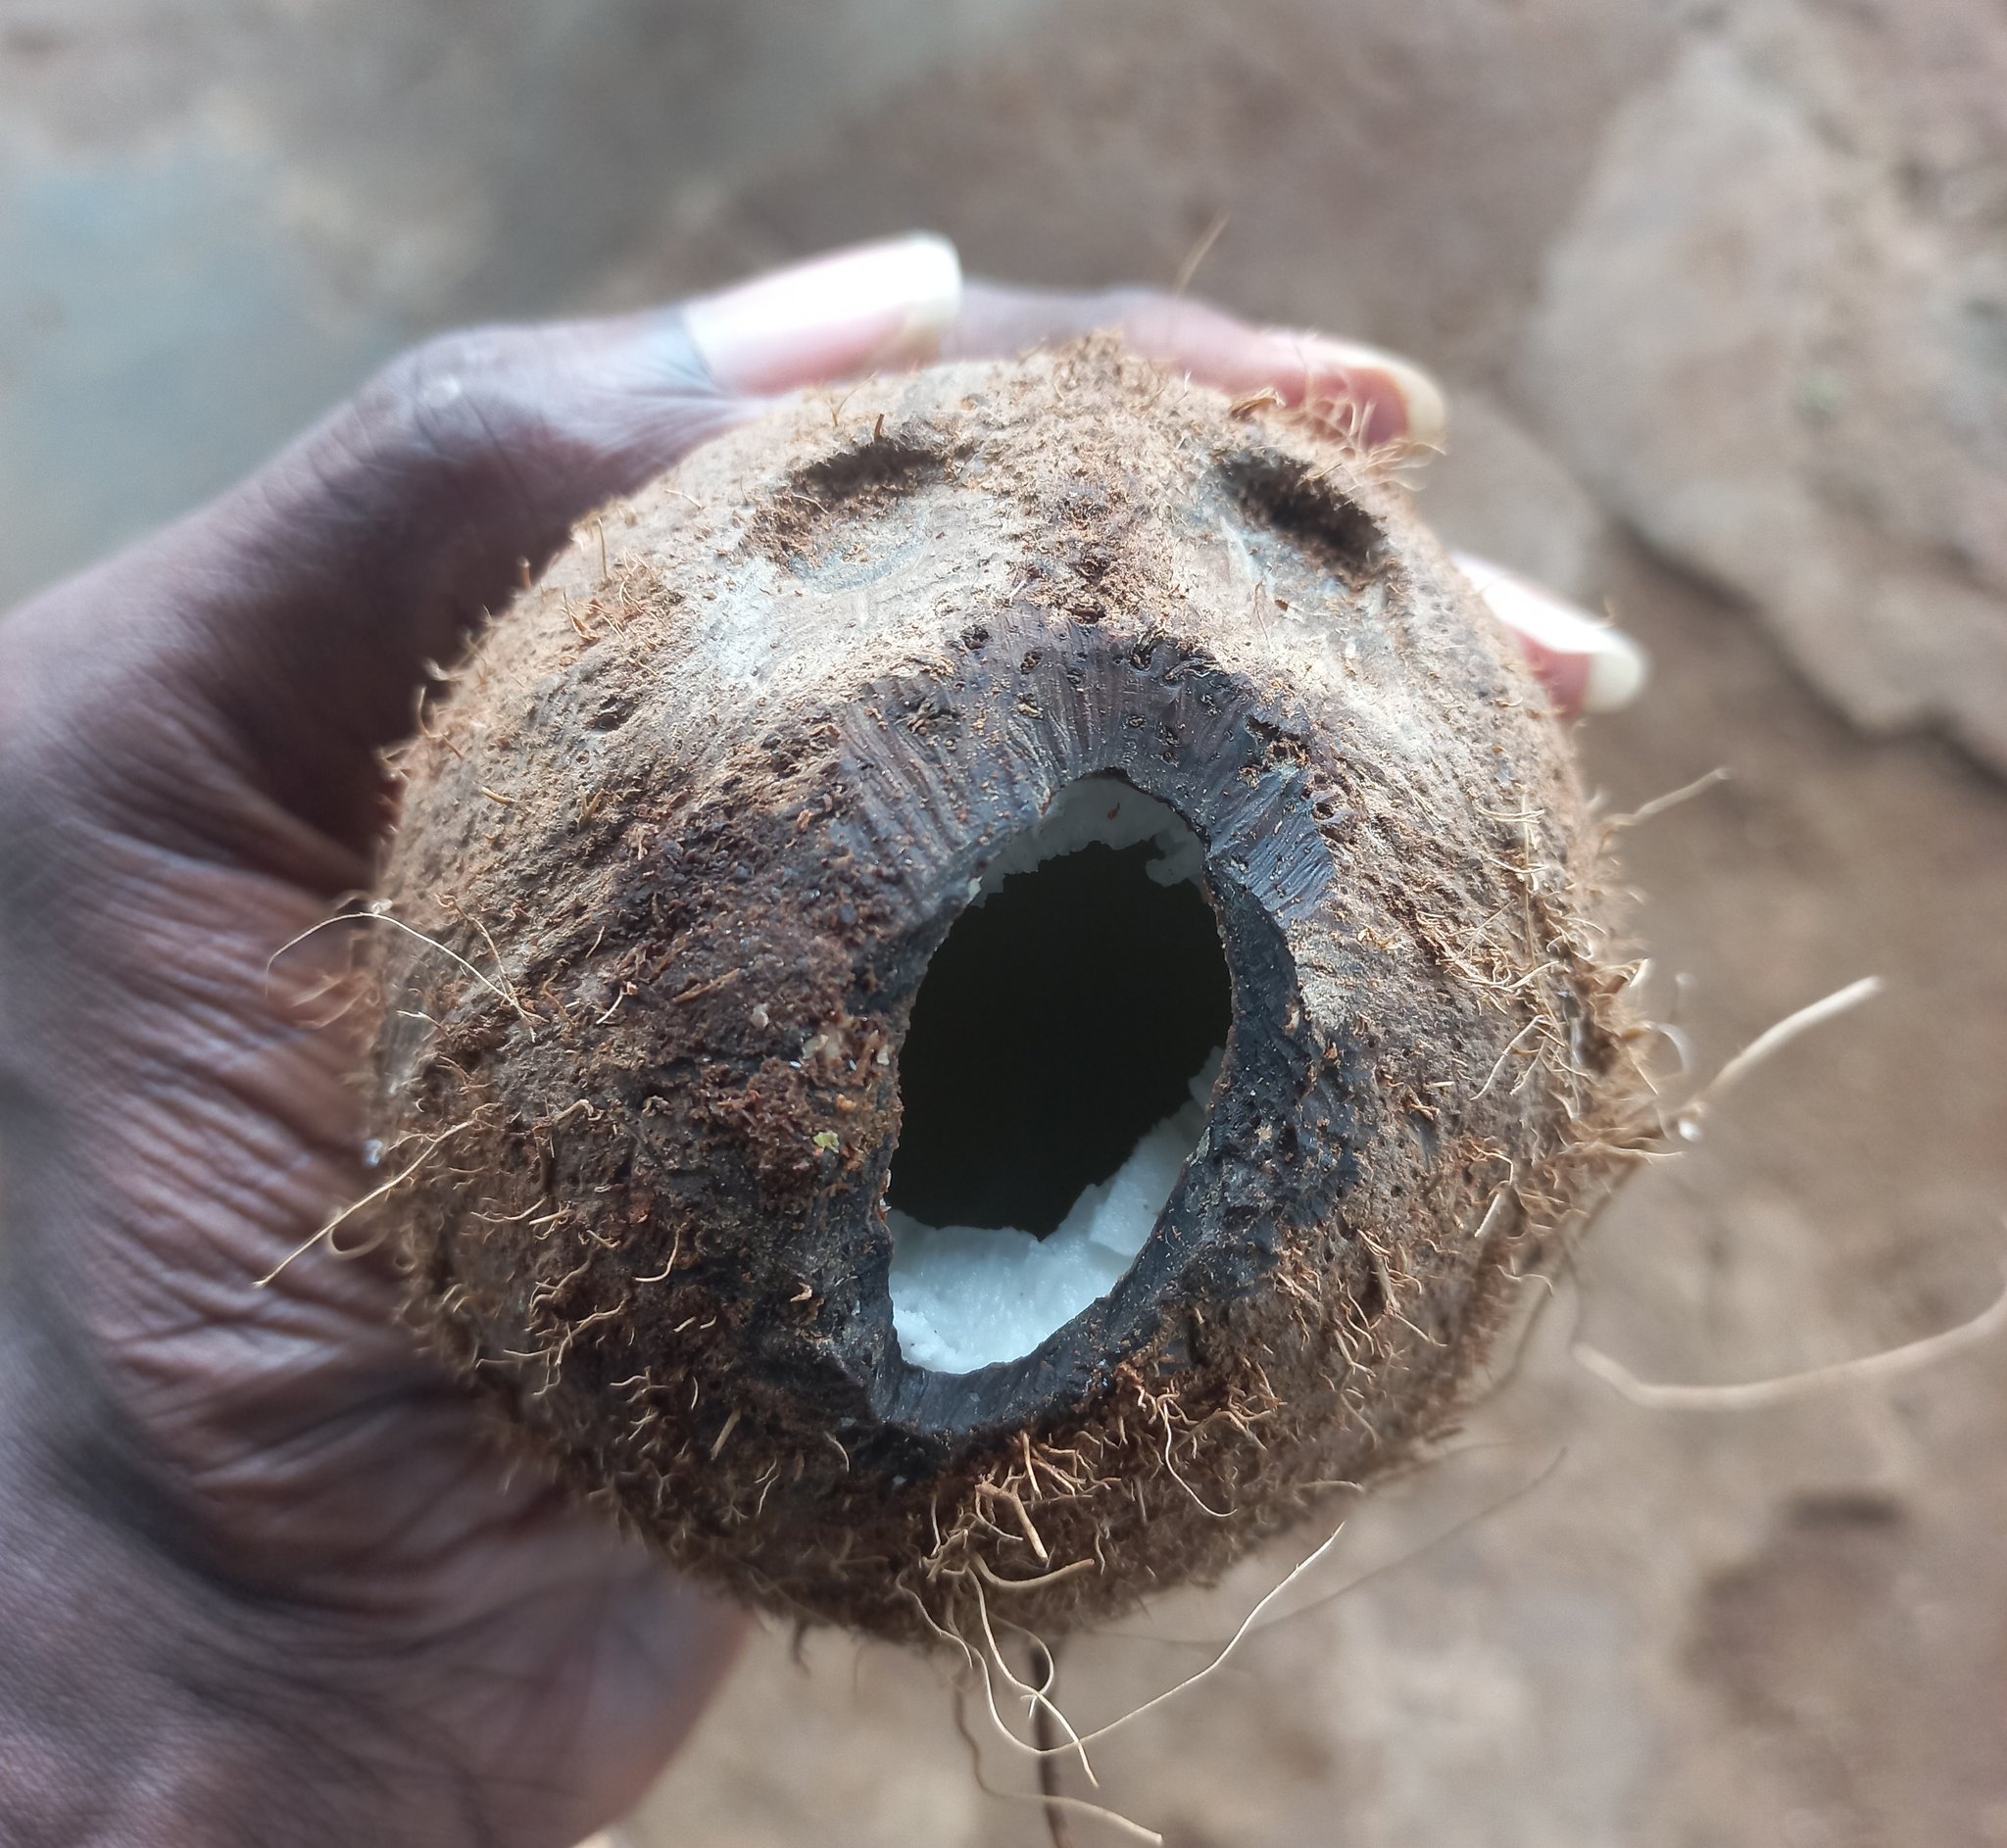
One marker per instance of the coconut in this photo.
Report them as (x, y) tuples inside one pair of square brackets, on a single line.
[(1001, 977)]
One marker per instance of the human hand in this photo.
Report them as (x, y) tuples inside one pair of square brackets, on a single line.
[(266, 1579)]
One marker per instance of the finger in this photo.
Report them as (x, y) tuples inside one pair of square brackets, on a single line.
[(1376, 396), (1586, 665), (290, 623)]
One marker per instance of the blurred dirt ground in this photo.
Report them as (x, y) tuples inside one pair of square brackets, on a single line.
[(1590, 1624)]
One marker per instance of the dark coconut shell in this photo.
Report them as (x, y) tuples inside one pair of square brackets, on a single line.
[(701, 805)]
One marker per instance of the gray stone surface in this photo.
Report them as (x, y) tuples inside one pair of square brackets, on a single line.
[(1772, 337)]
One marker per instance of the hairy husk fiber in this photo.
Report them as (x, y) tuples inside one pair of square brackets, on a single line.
[(700, 807)]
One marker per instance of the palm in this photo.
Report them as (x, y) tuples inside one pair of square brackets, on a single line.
[(316, 1451)]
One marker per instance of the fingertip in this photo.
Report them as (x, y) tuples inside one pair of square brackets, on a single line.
[(1586, 665), (881, 305), (1428, 410), (1397, 400), (1617, 673)]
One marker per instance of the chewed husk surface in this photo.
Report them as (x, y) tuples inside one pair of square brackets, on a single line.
[(702, 804)]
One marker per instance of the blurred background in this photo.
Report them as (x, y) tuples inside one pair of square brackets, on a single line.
[(1720, 292)]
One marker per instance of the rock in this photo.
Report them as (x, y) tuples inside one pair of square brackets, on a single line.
[(1773, 339)]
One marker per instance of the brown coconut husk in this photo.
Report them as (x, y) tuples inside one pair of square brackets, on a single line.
[(701, 806)]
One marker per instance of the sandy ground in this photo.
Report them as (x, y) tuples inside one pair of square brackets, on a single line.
[(1592, 1622)]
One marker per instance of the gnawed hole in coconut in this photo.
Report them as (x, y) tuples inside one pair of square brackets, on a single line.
[(1055, 1078)]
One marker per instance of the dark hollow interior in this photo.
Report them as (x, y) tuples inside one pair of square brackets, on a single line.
[(1060, 1021)]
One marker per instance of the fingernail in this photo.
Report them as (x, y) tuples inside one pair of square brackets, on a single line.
[(1617, 673), (1586, 665), (876, 305), (1396, 398)]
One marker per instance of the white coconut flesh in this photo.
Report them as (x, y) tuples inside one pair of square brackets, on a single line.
[(965, 1297)]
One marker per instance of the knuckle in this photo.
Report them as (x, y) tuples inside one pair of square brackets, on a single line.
[(444, 417), (437, 386), (1130, 300), (1150, 316)]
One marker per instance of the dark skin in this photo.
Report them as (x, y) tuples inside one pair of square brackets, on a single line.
[(266, 1579)]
